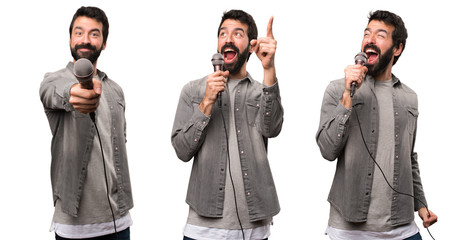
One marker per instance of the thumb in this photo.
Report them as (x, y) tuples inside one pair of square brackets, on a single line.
[(97, 86)]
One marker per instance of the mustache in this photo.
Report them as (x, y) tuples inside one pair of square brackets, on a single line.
[(231, 46), (373, 47), (86, 46)]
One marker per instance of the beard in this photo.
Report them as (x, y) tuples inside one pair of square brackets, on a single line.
[(241, 58), (383, 61), (92, 55)]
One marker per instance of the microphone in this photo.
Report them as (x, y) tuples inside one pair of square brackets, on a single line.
[(360, 58), (83, 71), (218, 61)]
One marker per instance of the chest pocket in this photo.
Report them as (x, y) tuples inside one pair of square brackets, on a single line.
[(252, 112), (412, 115)]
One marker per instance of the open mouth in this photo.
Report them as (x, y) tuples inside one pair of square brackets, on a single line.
[(372, 55), (229, 55)]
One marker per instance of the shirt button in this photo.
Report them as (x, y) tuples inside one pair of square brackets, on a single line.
[(195, 140), (345, 116), (248, 193), (396, 113), (116, 148), (241, 152), (267, 93), (397, 156), (339, 135), (238, 91), (246, 174), (236, 109), (204, 122), (267, 113), (238, 131), (257, 105)]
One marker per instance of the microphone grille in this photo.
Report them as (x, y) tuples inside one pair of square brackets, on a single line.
[(361, 58), (83, 68), (217, 59)]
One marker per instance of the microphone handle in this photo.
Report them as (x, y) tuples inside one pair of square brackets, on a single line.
[(353, 87), (88, 85), (218, 67)]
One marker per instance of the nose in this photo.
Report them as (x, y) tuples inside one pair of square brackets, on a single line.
[(371, 39), (229, 38), (86, 38)]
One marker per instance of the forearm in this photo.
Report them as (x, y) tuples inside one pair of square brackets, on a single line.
[(189, 128), (55, 96), (272, 111), (418, 192), (333, 128), (270, 77)]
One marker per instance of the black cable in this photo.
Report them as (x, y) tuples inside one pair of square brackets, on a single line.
[(230, 173), (105, 175), (382, 172)]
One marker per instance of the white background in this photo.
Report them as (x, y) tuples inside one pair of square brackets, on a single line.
[(155, 48)]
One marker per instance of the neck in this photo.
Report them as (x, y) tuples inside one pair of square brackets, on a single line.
[(242, 73), (386, 75)]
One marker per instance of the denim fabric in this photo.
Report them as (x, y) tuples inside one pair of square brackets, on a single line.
[(123, 235), (414, 237), (258, 116), (339, 138), (73, 135)]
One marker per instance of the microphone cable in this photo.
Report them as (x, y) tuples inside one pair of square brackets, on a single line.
[(230, 172), (382, 172), (92, 115)]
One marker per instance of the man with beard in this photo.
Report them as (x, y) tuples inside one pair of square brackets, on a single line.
[(231, 191), (89, 168), (377, 124)]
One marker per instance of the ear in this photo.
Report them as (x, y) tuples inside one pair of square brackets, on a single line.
[(252, 44), (398, 51), (104, 46)]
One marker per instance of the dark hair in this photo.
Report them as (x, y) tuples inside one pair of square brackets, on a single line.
[(96, 14), (399, 35), (244, 18)]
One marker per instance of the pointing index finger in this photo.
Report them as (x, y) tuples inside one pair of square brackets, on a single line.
[(269, 27)]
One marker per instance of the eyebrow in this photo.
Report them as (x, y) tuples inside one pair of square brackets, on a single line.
[(237, 29), (92, 30), (379, 30)]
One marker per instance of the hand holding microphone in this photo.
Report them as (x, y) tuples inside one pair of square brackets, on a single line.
[(218, 61), (215, 84), (84, 97), (360, 59)]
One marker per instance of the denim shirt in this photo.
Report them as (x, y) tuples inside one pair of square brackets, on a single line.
[(258, 116), (339, 138), (73, 135)]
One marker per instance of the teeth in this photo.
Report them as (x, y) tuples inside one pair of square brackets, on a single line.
[(229, 50), (370, 51)]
